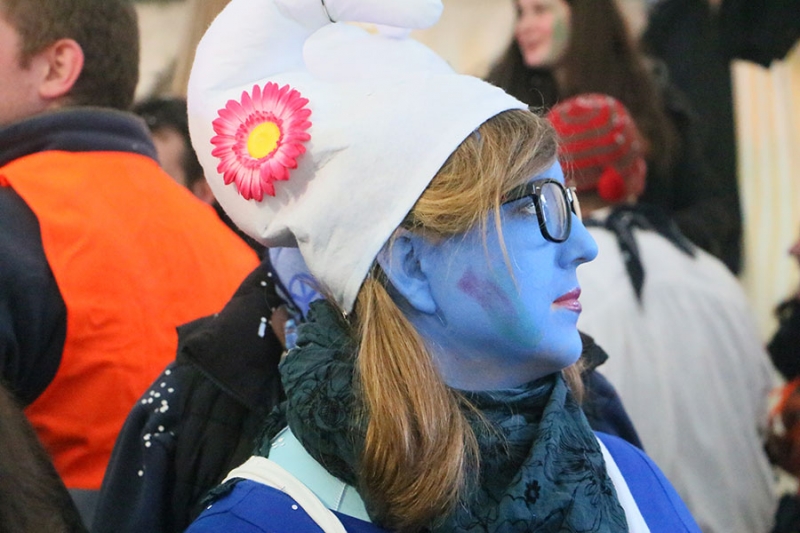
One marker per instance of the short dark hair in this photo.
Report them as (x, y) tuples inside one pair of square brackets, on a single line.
[(106, 30), (163, 113)]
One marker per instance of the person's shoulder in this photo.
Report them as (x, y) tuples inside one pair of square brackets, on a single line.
[(658, 502), (252, 501), (701, 275), (24, 268), (16, 219), (624, 453), (252, 507)]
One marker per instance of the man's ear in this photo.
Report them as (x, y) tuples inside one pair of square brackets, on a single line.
[(400, 261), (61, 65), (202, 190)]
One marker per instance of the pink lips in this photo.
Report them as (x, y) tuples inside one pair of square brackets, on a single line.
[(570, 301)]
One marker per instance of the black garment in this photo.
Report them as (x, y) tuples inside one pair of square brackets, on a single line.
[(686, 35), (33, 317), (81, 129), (601, 404), (697, 45), (784, 348), (223, 383), (787, 517), (760, 30), (703, 201)]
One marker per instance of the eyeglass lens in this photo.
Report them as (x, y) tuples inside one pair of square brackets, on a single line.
[(555, 210)]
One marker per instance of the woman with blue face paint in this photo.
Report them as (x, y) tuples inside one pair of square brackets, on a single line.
[(497, 300), (435, 389)]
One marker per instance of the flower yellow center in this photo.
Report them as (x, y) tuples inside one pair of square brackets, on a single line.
[(263, 140)]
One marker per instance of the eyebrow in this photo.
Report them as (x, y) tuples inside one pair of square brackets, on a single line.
[(521, 191)]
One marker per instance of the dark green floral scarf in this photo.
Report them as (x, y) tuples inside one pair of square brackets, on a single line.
[(541, 467)]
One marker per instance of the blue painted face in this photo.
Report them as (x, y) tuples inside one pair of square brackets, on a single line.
[(491, 329)]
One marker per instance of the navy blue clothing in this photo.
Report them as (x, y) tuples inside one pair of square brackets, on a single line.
[(601, 404), (604, 409), (80, 129), (164, 462), (33, 317)]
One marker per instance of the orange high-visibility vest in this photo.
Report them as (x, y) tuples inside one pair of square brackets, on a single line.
[(134, 255)]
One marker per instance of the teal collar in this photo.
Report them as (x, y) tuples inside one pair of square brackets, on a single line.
[(288, 453)]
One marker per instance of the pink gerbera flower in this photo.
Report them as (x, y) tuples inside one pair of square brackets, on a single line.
[(259, 138)]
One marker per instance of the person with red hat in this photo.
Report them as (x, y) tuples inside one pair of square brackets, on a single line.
[(603, 149), (684, 351)]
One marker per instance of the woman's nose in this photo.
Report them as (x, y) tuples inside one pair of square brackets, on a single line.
[(580, 247), (525, 22)]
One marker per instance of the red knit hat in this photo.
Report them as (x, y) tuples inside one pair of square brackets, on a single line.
[(600, 147)]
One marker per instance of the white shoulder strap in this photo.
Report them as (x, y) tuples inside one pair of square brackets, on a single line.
[(262, 470), (633, 515)]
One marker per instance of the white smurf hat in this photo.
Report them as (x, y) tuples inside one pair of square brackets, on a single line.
[(322, 135)]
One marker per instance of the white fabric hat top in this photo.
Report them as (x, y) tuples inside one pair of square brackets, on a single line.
[(322, 135)]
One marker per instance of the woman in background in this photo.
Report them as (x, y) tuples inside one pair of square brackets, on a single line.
[(562, 48)]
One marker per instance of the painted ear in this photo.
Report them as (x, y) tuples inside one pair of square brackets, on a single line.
[(400, 261), (61, 64)]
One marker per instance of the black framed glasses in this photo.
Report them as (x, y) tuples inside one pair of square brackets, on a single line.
[(554, 205)]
